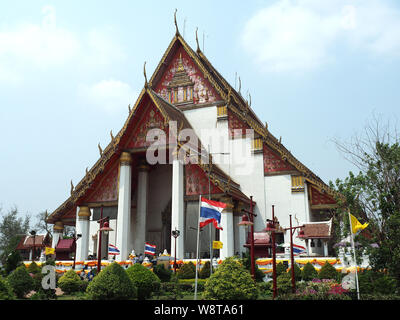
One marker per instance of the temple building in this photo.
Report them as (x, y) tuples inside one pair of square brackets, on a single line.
[(190, 133)]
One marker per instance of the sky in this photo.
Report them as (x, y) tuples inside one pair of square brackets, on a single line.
[(316, 71)]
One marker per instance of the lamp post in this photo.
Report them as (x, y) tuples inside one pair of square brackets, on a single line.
[(272, 225), (76, 237), (175, 234), (33, 233), (104, 226), (246, 223), (292, 229)]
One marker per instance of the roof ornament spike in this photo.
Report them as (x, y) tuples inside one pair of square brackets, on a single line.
[(100, 149), (197, 41), (145, 76), (240, 86), (176, 24), (129, 108), (249, 99), (87, 171), (112, 137), (72, 188)]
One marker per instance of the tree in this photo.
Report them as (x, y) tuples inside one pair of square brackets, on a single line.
[(12, 228), (373, 195)]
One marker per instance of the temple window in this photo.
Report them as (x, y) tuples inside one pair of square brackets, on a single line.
[(297, 184)]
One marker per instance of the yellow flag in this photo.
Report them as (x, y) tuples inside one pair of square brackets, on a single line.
[(49, 251), (356, 226), (217, 245)]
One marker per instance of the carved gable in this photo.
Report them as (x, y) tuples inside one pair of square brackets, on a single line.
[(273, 163), (197, 181), (183, 82)]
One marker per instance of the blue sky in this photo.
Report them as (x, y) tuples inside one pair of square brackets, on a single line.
[(316, 71)]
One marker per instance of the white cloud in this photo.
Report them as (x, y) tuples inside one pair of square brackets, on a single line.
[(302, 34), (29, 47), (108, 95)]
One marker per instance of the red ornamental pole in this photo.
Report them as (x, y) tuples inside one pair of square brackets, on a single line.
[(275, 289), (253, 273)]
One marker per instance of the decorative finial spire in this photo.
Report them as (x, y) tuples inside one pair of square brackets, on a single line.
[(100, 149), (240, 86), (145, 76), (72, 188), (87, 171), (111, 134), (176, 24), (249, 99), (197, 41)]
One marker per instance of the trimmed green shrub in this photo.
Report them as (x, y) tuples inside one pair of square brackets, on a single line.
[(376, 282), (328, 271), (297, 272), (162, 273), (20, 281), (231, 281), (13, 261), (204, 272), (309, 272), (258, 274), (187, 271), (144, 280), (6, 292), (284, 283), (189, 284), (70, 282), (33, 268), (112, 283), (280, 268)]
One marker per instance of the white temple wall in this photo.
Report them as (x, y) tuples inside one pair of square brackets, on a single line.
[(202, 118), (279, 193)]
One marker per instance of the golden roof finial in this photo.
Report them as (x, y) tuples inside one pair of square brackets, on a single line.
[(249, 99), (197, 41), (100, 149), (129, 108), (111, 134), (72, 188), (176, 24), (240, 86), (145, 76)]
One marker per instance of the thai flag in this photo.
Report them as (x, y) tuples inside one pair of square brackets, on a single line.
[(149, 249), (112, 249), (298, 249), (210, 212)]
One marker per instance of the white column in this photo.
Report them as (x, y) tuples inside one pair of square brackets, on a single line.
[(58, 230), (141, 211), (325, 248), (124, 206), (82, 227), (226, 234), (177, 209)]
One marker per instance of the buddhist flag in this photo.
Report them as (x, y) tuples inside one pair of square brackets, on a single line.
[(49, 250), (356, 226), (217, 245)]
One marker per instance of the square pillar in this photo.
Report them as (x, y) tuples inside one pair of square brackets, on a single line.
[(226, 234), (124, 206), (177, 208), (58, 230), (82, 227), (139, 226)]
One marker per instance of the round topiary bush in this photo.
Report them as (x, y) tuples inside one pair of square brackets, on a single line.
[(21, 282), (328, 272), (187, 271), (6, 292), (309, 272), (112, 283), (144, 280), (162, 273), (70, 282), (280, 268), (231, 281)]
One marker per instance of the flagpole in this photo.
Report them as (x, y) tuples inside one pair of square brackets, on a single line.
[(209, 198), (354, 254), (197, 251)]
